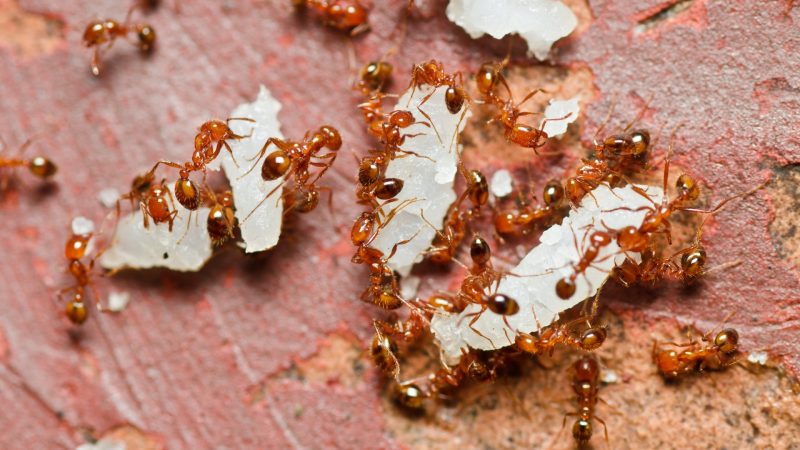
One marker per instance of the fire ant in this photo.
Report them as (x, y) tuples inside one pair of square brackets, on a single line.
[(293, 160), (374, 76), (75, 250), (695, 356), (432, 73), (344, 15), (106, 31), (511, 221), (221, 221), (382, 351), (39, 166), (446, 242), (547, 339), (565, 287), (585, 382)]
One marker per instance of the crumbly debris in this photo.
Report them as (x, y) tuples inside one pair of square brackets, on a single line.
[(539, 22), (428, 170), (532, 282), (501, 184)]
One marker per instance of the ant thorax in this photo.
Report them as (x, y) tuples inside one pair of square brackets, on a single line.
[(532, 283)]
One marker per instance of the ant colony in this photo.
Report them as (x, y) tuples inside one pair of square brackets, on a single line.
[(421, 204)]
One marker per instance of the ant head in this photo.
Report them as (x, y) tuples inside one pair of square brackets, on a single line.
[(94, 33), (487, 78), (727, 341), (582, 431), (42, 167), (375, 75), (553, 193), (586, 368), (593, 338), (688, 189), (333, 140), (479, 251)]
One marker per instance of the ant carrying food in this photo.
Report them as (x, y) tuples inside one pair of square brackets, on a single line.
[(546, 340), (511, 221), (100, 35), (293, 159)]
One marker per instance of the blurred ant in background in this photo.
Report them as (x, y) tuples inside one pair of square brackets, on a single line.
[(100, 35)]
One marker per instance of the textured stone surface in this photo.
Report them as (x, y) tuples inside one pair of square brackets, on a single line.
[(205, 360)]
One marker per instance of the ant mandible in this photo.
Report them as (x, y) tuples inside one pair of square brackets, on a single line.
[(106, 31)]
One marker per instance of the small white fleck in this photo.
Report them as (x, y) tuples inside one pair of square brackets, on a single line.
[(108, 197), (117, 301), (758, 358), (82, 226), (560, 114), (501, 184), (103, 444), (609, 377)]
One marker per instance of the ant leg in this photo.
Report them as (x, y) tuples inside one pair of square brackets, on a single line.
[(477, 315), (96, 61), (529, 96), (145, 213), (222, 143), (427, 116), (605, 430)]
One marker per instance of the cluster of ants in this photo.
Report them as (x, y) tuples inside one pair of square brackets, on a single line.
[(616, 160)]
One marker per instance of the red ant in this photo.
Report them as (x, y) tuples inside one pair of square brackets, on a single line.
[(565, 287), (374, 76), (39, 166), (446, 242), (75, 250), (382, 351), (511, 221), (695, 356), (292, 160), (106, 31), (585, 382), (221, 221), (546, 339), (344, 15)]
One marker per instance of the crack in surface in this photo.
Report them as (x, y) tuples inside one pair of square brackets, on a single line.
[(661, 15)]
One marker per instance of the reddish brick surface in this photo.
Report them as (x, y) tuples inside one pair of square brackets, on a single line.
[(199, 360)]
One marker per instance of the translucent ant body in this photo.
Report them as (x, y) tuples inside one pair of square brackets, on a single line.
[(696, 356), (344, 15), (293, 161), (382, 352), (100, 35), (565, 287), (38, 166), (514, 221), (585, 382)]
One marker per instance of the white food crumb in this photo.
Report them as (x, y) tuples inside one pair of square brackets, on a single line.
[(758, 358), (409, 286), (428, 177), (501, 183), (103, 444), (539, 22), (608, 376), (186, 248), (108, 197), (533, 281), (117, 301), (262, 229), (558, 109), (81, 226)]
